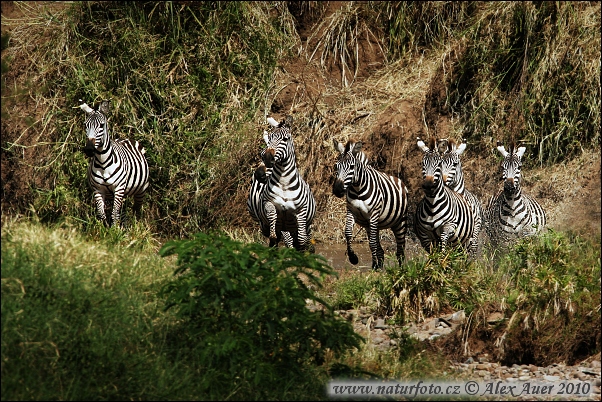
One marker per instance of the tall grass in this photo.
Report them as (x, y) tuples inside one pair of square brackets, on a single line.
[(186, 81)]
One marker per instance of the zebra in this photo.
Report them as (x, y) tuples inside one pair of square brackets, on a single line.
[(117, 168), (453, 177), (512, 214), (260, 178), (285, 206), (443, 217), (375, 201)]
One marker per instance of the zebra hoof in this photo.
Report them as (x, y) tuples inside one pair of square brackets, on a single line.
[(353, 258)]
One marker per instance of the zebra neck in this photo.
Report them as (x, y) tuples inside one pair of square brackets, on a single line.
[(361, 176), (513, 199), (436, 193), (106, 152), (284, 172), (458, 184)]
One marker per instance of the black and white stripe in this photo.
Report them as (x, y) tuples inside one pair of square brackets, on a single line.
[(443, 217), (453, 177), (512, 214), (375, 201), (286, 203), (255, 206), (117, 168)]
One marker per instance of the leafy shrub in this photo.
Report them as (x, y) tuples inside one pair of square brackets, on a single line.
[(245, 307)]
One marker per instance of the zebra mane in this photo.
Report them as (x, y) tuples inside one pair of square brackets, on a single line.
[(433, 144)]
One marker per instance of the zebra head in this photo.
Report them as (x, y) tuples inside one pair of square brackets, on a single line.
[(511, 167), (345, 168), (451, 168), (97, 129), (279, 142), (431, 164)]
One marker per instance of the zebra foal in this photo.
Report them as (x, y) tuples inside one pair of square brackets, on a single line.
[(279, 199), (117, 168), (375, 201), (443, 217), (512, 214)]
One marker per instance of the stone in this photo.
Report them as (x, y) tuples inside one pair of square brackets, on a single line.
[(482, 366), (469, 360), (595, 364), (380, 324), (524, 378), (377, 339), (458, 316), (494, 318), (551, 378)]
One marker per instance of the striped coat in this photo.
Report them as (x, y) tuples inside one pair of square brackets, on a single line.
[(117, 168), (375, 201)]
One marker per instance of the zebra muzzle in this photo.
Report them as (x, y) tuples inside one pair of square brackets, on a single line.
[(338, 188), (269, 158), (428, 183), (89, 149)]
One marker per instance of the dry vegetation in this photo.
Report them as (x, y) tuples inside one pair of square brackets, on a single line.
[(194, 82)]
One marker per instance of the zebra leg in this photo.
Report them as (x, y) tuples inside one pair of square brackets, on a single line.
[(138, 199), (117, 202), (288, 239), (378, 254), (271, 215), (448, 230), (99, 200), (302, 240), (400, 240), (349, 222)]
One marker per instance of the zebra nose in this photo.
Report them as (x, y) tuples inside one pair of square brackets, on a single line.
[(269, 157), (261, 174), (89, 148), (338, 188), (429, 182)]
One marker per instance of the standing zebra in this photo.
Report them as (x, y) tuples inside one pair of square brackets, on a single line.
[(375, 201), (285, 206), (453, 177), (117, 169), (443, 217), (254, 205), (512, 214)]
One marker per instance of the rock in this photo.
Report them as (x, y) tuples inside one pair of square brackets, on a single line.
[(434, 336), (595, 364), (533, 368), (377, 339), (380, 324), (458, 316), (469, 360), (393, 342), (484, 358), (524, 378), (494, 318), (551, 378), (482, 366)]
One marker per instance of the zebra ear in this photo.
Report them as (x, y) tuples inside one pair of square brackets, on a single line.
[(461, 148), (521, 151), (338, 146), (273, 122), (501, 148), (356, 148), (84, 106), (104, 108), (266, 137), (421, 144)]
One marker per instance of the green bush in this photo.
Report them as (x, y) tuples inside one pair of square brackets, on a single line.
[(245, 306)]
